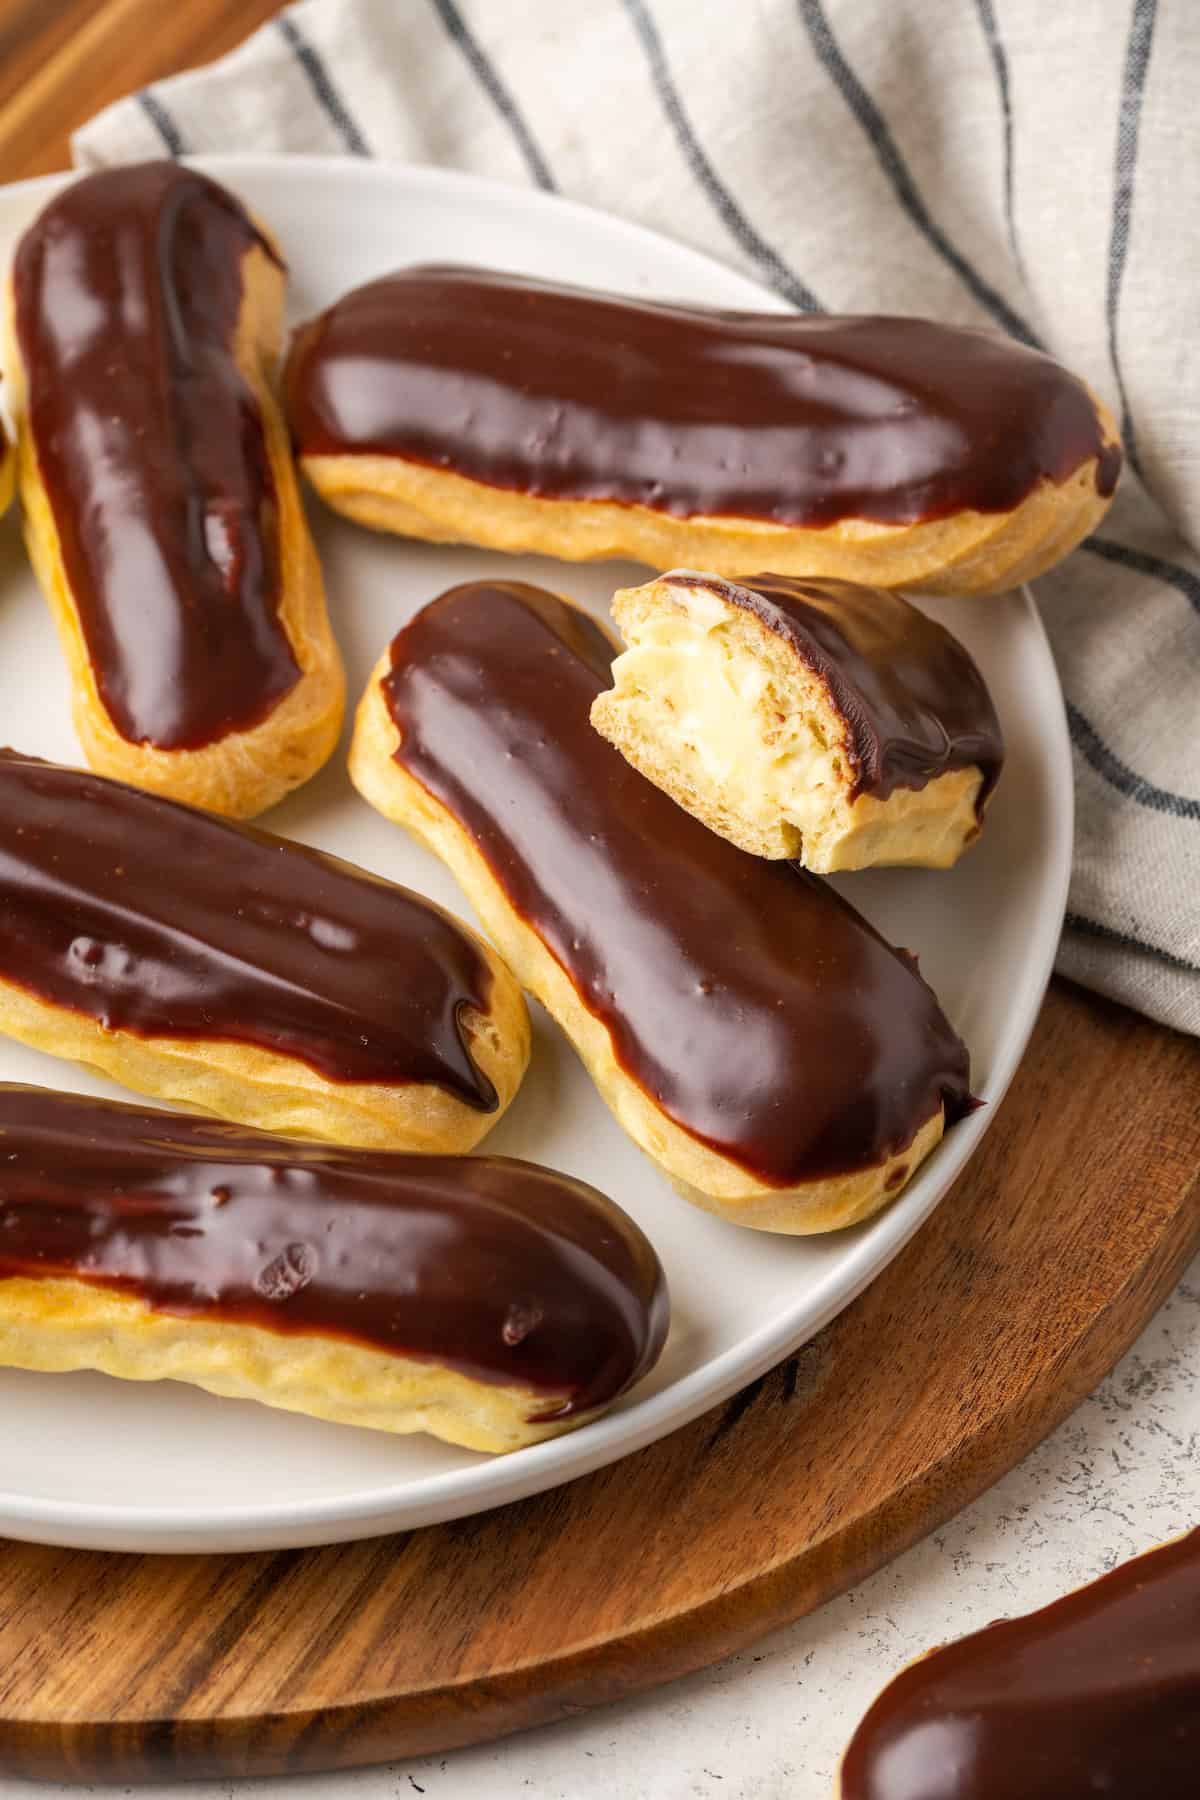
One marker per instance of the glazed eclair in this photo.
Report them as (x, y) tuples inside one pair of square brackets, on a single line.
[(1097, 1693), (754, 1035), (162, 512), (472, 407), (487, 1301), (832, 724), (266, 982)]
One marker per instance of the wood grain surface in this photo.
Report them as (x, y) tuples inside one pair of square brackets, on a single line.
[(1033, 1277), (62, 60)]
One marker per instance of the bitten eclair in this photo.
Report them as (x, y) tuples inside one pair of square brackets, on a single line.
[(754, 1035), (487, 1301), (263, 981), (815, 720), (162, 511), (470, 407), (1098, 1693)]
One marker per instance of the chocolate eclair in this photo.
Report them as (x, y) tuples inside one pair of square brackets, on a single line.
[(263, 981), (1098, 1693), (466, 406), (814, 720), (162, 512), (755, 1036), (487, 1301)]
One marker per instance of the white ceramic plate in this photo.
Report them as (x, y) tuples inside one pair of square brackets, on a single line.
[(99, 1463)]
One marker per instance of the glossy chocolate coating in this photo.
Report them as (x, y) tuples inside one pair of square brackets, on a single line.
[(150, 445), (1097, 1694), (567, 394), (750, 1003), (914, 703), (154, 918), (503, 1270)]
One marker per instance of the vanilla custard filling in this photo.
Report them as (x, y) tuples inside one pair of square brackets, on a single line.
[(712, 705)]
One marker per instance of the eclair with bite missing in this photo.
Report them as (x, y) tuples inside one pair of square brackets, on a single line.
[(759, 1040), (487, 1301), (832, 724), (465, 406), (264, 981), (162, 512)]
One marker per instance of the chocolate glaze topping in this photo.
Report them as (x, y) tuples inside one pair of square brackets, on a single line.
[(914, 703), (150, 445), (752, 1004), (258, 939), (573, 395), (497, 1268), (1097, 1694)]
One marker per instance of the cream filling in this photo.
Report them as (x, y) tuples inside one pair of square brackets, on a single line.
[(713, 710)]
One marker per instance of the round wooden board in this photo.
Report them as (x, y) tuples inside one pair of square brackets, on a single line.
[(1031, 1279)]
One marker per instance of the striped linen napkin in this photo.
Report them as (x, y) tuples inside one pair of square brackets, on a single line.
[(996, 162)]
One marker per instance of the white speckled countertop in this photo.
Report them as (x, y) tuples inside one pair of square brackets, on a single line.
[(1120, 1475)]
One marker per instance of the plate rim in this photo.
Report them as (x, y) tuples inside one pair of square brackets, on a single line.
[(520, 1474)]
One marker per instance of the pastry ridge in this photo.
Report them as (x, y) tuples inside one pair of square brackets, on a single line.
[(970, 553), (60, 1326)]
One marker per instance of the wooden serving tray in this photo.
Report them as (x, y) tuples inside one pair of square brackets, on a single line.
[(1033, 1276)]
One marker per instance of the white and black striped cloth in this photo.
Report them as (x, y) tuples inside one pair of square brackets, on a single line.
[(1030, 164)]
